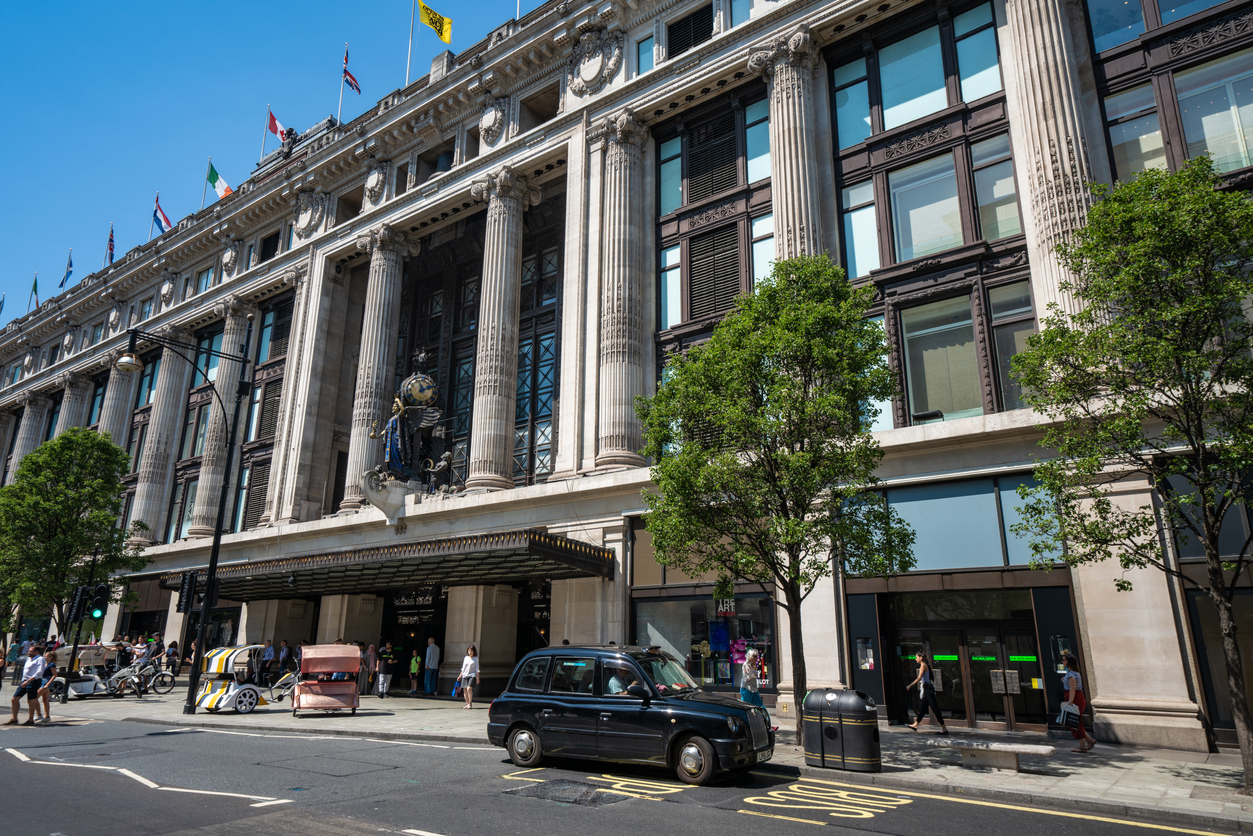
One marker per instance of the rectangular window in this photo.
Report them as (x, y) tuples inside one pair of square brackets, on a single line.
[(202, 427), (1135, 136), (882, 420), (977, 63), (97, 332), (206, 363), (204, 280), (269, 246), (852, 103), (189, 507), (145, 309), (644, 55), (757, 140), (740, 11), (994, 188), (1178, 10), (861, 230), (1018, 548), (955, 523), (1012, 323), (926, 214), (97, 402), (54, 354), (291, 229), (15, 374), (189, 434), (573, 675), (711, 158), (941, 366), (713, 272), (531, 676), (1114, 22), (248, 262), (690, 31), (275, 332), (671, 180), (176, 507), (911, 74), (761, 229), (258, 489), (468, 304), (670, 294), (135, 446), (254, 414), (54, 415), (147, 382), (241, 500), (1216, 106)]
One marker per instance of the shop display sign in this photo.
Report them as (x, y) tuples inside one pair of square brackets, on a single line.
[(719, 637), (724, 607)]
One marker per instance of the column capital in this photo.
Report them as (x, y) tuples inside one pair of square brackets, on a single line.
[(797, 50), (177, 333), (387, 238), (625, 128), (33, 400), (234, 306), (67, 380), (505, 184)]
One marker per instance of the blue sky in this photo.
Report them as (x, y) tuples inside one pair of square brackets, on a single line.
[(110, 103)]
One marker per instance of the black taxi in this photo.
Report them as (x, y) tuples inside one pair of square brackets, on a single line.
[(627, 704)]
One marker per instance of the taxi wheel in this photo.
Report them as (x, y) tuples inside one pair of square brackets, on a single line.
[(695, 761), (246, 701), (524, 747)]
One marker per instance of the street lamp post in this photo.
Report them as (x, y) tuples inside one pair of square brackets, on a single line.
[(130, 362)]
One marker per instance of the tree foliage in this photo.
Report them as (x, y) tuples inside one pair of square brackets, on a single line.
[(763, 458), (64, 504), (1151, 380)]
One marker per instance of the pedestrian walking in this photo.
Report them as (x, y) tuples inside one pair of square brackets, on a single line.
[(14, 660), (415, 672), (369, 664), (32, 679), (750, 681), (432, 666), (284, 657), (267, 660), (1072, 681), (45, 684), (387, 664), (926, 694), (171, 658), (469, 676)]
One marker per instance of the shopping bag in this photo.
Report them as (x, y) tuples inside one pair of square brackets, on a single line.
[(1069, 716), (456, 686)]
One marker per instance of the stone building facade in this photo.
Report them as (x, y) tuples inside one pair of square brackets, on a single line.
[(539, 223)]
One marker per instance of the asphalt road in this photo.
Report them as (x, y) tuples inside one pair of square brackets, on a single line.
[(135, 779)]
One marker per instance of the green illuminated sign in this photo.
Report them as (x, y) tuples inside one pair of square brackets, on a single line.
[(940, 658), (1023, 659), (983, 658)]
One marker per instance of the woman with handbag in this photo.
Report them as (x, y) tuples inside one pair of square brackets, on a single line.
[(1072, 682), (469, 676), (926, 694)]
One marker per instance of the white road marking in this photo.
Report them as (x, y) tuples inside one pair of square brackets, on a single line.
[(227, 794), (141, 779), (477, 748), (272, 803), (79, 765), (15, 753), (421, 833)]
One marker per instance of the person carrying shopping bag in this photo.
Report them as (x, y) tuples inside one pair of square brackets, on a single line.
[(1072, 682), (469, 676), (926, 694)]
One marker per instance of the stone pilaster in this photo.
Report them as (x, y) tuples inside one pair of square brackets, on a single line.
[(73, 401), (161, 445), (377, 361), (788, 64), (237, 314), (31, 431), (496, 363), (619, 437), (1043, 90), (119, 404), (8, 425)]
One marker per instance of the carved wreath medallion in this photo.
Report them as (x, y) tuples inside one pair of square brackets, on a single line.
[(594, 61)]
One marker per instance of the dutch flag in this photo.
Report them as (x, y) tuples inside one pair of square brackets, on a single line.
[(159, 218)]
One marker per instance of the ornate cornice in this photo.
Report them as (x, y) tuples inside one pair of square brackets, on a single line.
[(797, 50), (388, 239), (505, 184)]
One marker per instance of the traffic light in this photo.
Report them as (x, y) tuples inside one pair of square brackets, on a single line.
[(187, 592), (78, 604), (99, 601)]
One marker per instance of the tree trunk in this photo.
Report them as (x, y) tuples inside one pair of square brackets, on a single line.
[(1235, 685), (800, 681)]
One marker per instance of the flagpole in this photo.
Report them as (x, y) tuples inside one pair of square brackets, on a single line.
[(32, 291), (340, 110), (105, 261), (204, 190), (413, 8), (264, 131), (153, 219)]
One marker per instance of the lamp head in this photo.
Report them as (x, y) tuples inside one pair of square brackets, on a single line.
[(129, 362)]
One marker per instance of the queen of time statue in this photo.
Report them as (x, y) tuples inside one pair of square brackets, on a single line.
[(412, 412)]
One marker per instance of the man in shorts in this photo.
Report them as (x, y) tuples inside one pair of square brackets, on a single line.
[(32, 680)]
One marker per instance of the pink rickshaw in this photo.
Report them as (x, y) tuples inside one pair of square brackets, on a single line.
[(328, 679)]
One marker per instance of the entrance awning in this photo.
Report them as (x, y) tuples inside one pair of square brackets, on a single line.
[(504, 557)]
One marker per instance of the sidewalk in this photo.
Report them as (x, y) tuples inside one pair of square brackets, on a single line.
[(1184, 789)]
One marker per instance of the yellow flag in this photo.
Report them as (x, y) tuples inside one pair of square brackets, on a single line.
[(442, 25)]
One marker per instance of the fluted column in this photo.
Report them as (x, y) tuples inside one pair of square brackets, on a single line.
[(788, 64), (157, 464), (237, 313), (8, 426), (622, 308), (1042, 88), (73, 401), (30, 432), (118, 407), (376, 364), (496, 361)]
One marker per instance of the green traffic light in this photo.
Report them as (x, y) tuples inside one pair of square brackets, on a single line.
[(96, 613)]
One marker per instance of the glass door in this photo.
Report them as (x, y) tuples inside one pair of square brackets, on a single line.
[(950, 684), (1025, 681), (987, 678)]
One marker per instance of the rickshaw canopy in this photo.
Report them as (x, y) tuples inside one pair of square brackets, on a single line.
[(330, 658), (223, 659)]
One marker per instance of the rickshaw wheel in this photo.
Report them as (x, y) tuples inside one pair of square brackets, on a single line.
[(246, 701)]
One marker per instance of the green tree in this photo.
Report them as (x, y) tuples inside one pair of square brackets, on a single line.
[(64, 504), (1151, 380), (763, 457)]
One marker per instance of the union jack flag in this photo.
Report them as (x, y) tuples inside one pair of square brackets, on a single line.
[(110, 243), (349, 78)]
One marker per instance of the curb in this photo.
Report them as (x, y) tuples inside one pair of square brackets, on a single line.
[(1153, 815), (417, 737)]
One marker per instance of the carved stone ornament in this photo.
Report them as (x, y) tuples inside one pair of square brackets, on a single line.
[(594, 60), (167, 289), (386, 237), (376, 181), (33, 400), (233, 305), (310, 210), (797, 49), (115, 317), (67, 342), (626, 129), (505, 184), (66, 380), (230, 258), (28, 363), (492, 122)]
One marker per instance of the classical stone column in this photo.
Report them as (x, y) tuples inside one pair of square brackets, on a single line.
[(788, 64), (73, 401), (160, 447), (237, 313), (119, 404), (8, 425), (31, 431), (621, 308), (1042, 88), (496, 361), (376, 364)]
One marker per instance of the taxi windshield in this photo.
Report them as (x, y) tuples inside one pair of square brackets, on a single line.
[(667, 675)]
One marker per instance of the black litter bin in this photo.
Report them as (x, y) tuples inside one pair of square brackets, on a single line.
[(841, 731)]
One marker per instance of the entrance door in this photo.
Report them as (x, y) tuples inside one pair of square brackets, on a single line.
[(987, 679), (942, 647)]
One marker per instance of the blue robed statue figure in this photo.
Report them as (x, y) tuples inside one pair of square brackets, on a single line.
[(412, 411)]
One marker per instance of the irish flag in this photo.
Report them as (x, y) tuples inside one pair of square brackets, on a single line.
[(219, 185)]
